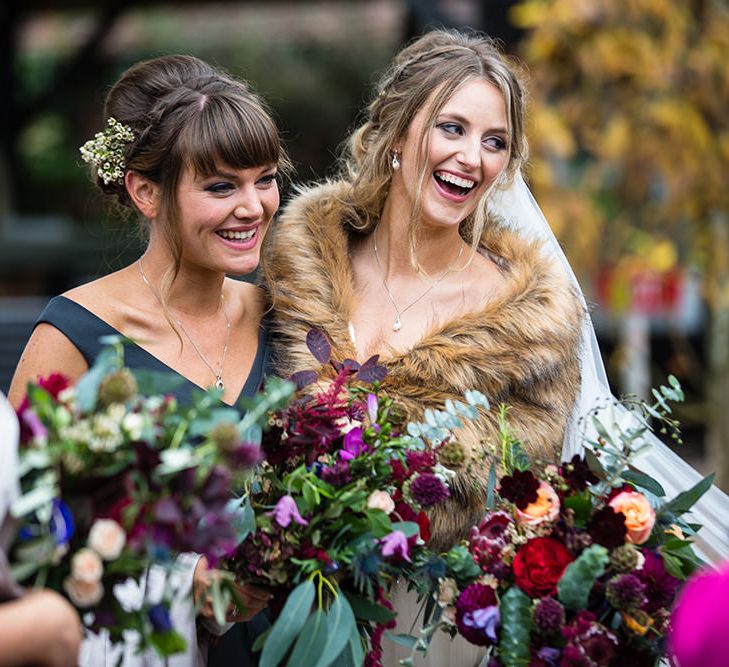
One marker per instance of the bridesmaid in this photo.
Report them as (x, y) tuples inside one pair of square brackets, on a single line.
[(195, 153)]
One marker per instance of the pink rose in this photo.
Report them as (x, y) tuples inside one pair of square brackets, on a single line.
[(86, 566), (544, 508), (381, 500), (639, 515), (107, 538), (83, 593)]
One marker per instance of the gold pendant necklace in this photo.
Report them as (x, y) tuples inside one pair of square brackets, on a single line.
[(218, 375)]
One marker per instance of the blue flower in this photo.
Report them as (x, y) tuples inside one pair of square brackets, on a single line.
[(159, 617), (61, 525)]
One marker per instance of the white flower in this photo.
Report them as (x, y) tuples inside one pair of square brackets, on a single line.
[(380, 500), (443, 474), (447, 591), (82, 593), (129, 594), (107, 538), (106, 433), (86, 566), (133, 425), (345, 424), (448, 616)]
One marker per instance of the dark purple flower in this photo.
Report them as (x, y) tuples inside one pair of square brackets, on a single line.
[(588, 642), (246, 455), (519, 488), (159, 617), (549, 655), (428, 490), (626, 592), (549, 616), (472, 599), (578, 474), (661, 587), (607, 527), (337, 474)]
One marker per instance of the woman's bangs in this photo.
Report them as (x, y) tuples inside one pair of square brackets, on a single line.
[(231, 134)]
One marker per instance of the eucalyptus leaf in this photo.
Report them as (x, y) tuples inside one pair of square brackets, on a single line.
[(410, 528), (643, 481), (686, 500), (367, 610), (408, 641), (289, 624), (310, 643), (491, 488), (578, 579), (516, 621), (340, 624), (87, 388), (261, 640), (152, 382)]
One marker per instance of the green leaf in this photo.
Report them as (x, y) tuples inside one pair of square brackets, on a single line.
[(168, 643), (408, 641), (686, 500), (379, 523), (355, 649), (581, 504), (33, 500), (491, 487), (261, 640), (151, 382), (578, 579), (673, 566), (410, 528), (339, 626), (87, 388), (311, 641), (644, 481), (367, 610), (289, 624), (516, 621)]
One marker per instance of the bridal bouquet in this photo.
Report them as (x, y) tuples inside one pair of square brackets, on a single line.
[(572, 565), (337, 513), (117, 481)]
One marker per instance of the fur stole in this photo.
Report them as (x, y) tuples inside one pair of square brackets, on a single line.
[(521, 349)]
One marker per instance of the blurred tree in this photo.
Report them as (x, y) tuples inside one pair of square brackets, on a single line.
[(630, 140)]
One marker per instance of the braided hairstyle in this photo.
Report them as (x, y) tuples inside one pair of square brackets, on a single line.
[(425, 74), (185, 113)]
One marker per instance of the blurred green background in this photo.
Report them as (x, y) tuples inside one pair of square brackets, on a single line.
[(629, 135)]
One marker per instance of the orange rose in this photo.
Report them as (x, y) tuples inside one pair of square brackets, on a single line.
[(544, 508), (639, 515)]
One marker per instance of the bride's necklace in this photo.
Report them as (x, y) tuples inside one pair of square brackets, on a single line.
[(218, 375), (397, 324)]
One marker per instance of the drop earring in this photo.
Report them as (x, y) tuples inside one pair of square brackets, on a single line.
[(395, 161)]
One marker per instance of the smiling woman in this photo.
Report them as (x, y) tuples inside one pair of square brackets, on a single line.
[(378, 260), (197, 155)]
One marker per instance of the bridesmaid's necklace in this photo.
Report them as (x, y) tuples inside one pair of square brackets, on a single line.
[(397, 324), (218, 375)]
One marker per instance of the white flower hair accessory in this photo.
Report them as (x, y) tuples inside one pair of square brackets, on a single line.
[(106, 151)]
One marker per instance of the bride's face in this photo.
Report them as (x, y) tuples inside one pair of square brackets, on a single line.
[(464, 151)]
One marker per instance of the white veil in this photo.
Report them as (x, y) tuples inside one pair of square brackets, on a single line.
[(517, 207)]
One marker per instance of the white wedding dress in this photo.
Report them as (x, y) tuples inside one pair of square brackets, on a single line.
[(517, 207)]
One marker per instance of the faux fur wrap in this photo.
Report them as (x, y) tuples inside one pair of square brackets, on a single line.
[(521, 349)]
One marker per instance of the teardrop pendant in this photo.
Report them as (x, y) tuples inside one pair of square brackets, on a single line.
[(219, 383), (397, 324)]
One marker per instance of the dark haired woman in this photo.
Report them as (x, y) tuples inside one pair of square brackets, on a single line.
[(196, 153)]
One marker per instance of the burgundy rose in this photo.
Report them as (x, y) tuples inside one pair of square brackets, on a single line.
[(539, 565), (420, 461)]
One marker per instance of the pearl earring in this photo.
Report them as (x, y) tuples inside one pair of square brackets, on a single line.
[(395, 161)]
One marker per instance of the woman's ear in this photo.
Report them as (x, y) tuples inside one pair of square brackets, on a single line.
[(143, 192)]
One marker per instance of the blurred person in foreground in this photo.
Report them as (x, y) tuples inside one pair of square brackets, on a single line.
[(37, 627)]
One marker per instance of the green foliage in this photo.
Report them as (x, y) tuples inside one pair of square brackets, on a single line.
[(578, 579), (516, 623), (289, 624)]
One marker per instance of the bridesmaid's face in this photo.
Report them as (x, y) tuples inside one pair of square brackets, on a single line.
[(224, 217), (463, 153)]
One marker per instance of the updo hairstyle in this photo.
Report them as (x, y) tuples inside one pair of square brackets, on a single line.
[(436, 64), (185, 113)]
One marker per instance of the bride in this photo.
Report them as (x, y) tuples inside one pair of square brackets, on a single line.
[(429, 251)]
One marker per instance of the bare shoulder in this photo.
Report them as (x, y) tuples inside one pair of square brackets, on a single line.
[(104, 295), (47, 351)]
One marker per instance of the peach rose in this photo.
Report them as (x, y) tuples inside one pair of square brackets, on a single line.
[(86, 566), (82, 593), (544, 508), (639, 515), (380, 500), (107, 538)]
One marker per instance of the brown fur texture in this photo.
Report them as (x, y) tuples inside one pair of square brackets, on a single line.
[(522, 349)]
